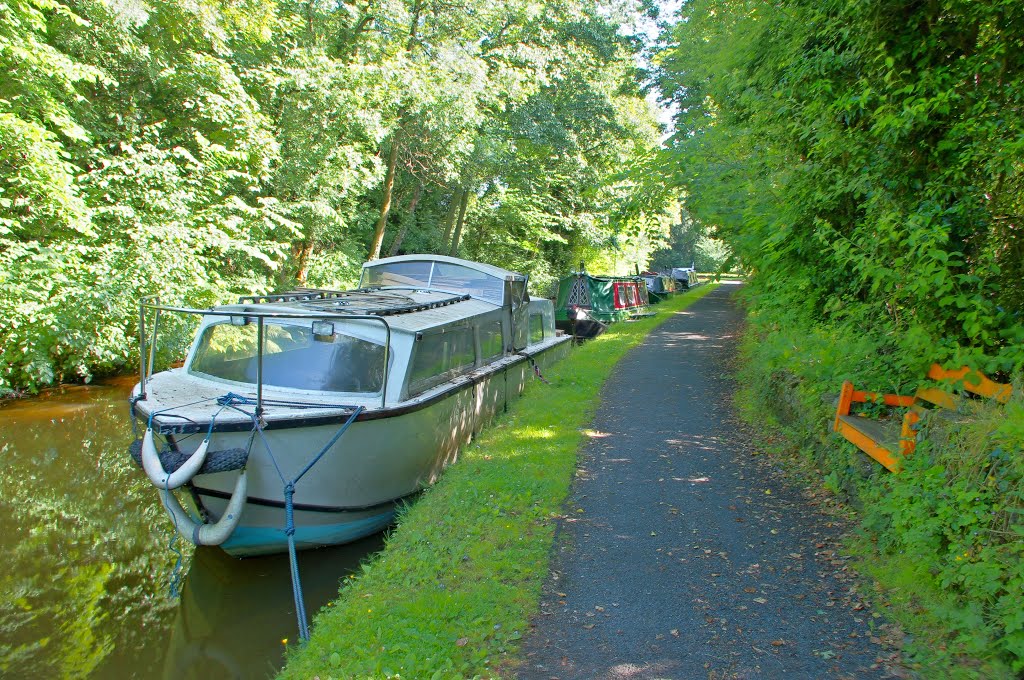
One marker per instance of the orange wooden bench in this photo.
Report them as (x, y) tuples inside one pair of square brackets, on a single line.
[(889, 441)]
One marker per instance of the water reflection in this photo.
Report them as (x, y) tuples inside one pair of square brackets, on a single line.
[(236, 614), (84, 582)]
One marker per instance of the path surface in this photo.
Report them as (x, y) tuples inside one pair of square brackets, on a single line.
[(683, 555)]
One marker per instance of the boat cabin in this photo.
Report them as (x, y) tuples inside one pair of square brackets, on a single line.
[(685, 277), (414, 323), (659, 286)]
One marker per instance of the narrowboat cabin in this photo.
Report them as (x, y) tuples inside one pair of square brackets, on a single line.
[(659, 286), (586, 304), (370, 391), (685, 277)]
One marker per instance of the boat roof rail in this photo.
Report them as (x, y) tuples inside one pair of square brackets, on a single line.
[(357, 302)]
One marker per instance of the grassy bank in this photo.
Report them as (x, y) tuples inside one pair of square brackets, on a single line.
[(451, 594), (942, 543)]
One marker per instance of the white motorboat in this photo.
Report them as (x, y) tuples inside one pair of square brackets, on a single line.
[(309, 415)]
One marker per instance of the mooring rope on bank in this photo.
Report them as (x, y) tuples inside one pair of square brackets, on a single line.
[(231, 400)]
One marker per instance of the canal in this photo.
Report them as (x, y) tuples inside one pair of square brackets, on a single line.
[(95, 582)]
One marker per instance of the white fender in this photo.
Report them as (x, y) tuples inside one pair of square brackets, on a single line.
[(155, 469), (207, 534)]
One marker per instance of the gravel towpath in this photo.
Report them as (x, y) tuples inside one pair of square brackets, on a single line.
[(683, 554)]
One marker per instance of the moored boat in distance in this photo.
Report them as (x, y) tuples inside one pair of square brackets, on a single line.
[(308, 415), (586, 304), (685, 277), (659, 286)]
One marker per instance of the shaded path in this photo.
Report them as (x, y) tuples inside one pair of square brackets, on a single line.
[(681, 554)]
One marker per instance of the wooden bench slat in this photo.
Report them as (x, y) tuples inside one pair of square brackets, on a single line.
[(876, 438)]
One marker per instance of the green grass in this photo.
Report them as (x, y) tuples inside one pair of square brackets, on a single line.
[(452, 592)]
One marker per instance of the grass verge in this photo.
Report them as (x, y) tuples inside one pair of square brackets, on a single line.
[(452, 592)]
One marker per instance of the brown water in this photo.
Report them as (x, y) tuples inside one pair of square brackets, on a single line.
[(88, 560)]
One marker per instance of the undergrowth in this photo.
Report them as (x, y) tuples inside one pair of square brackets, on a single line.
[(452, 592), (943, 540)]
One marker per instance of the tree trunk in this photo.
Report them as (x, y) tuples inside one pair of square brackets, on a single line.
[(385, 206), (296, 269), (302, 252), (458, 226), (453, 211), (478, 246), (410, 218)]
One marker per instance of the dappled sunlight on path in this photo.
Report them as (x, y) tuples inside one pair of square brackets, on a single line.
[(681, 554)]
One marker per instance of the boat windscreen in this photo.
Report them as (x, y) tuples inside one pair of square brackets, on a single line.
[(437, 275), (293, 357)]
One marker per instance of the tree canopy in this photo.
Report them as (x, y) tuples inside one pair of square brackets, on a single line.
[(197, 150)]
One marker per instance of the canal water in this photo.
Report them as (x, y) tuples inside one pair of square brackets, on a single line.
[(94, 583)]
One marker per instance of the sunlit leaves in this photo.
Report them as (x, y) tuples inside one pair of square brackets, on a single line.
[(835, 145), (197, 148)]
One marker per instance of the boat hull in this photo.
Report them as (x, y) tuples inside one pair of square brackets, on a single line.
[(383, 459), (583, 328)]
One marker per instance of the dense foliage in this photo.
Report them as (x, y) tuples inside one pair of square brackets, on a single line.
[(863, 161), (197, 149)]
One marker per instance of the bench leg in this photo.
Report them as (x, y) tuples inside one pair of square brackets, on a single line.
[(845, 399), (908, 433)]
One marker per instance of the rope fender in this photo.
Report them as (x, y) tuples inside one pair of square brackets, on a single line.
[(207, 534), (155, 469)]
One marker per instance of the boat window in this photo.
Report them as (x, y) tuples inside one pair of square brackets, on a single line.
[(579, 294), (491, 342), (619, 295), (536, 328), (455, 277), (410, 274), (440, 357), (292, 358), (438, 275)]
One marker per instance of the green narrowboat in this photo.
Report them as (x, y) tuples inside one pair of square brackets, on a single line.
[(586, 304)]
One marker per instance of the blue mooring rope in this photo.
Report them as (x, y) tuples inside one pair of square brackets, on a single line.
[(234, 401), (293, 561), (289, 513), (174, 583)]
